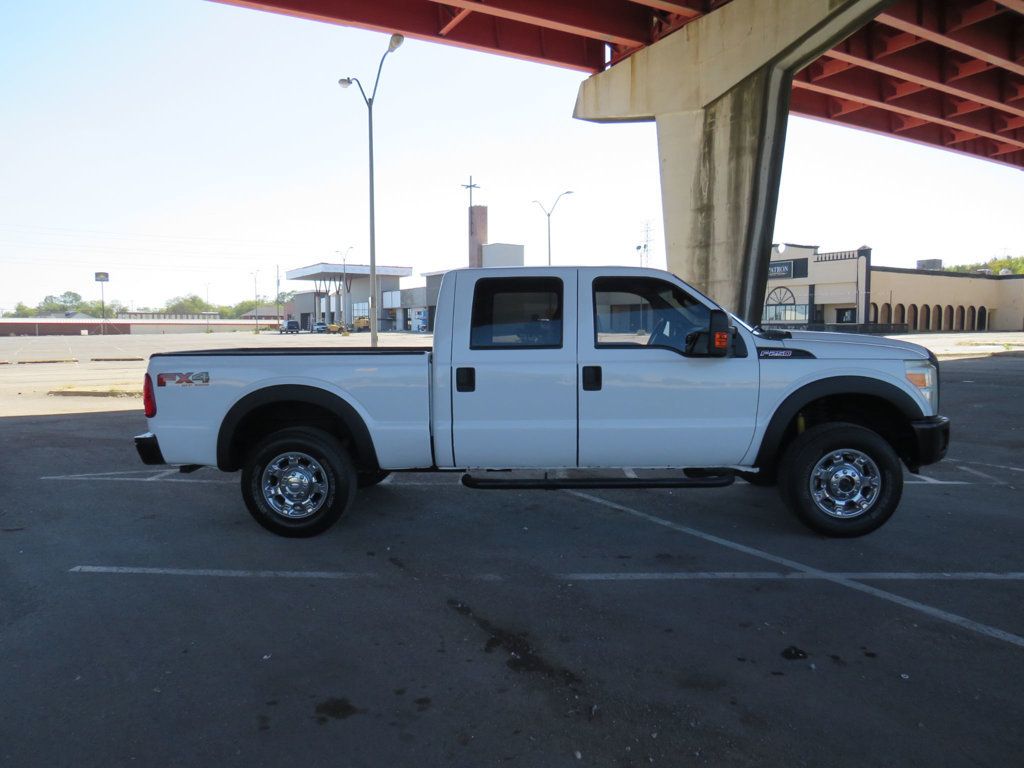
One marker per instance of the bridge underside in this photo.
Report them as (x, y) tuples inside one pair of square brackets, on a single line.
[(948, 73), (720, 77)]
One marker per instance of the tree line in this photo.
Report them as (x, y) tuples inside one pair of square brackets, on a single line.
[(69, 303), (1013, 263)]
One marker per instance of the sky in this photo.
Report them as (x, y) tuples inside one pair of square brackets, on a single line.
[(186, 146)]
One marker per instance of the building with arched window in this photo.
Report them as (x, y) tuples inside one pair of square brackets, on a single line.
[(843, 290)]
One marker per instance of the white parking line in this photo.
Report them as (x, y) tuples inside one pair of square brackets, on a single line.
[(990, 466), (234, 574), (849, 583), (99, 474), (163, 475), (925, 480), (619, 576), (165, 479), (792, 576), (979, 473)]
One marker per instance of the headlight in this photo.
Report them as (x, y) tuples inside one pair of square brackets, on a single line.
[(925, 376)]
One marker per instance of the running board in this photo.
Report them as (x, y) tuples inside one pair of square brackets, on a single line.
[(549, 483)]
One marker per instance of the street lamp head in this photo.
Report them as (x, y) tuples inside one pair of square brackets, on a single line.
[(396, 40), (345, 82)]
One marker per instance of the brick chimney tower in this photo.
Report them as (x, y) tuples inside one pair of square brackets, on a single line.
[(477, 234)]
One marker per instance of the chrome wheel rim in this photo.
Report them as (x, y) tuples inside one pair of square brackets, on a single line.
[(845, 483), (295, 485)]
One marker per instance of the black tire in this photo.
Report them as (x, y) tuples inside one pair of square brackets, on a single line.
[(859, 457), (763, 479), (370, 479), (326, 464)]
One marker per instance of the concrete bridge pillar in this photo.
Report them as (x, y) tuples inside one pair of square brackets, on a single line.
[(719, 92)]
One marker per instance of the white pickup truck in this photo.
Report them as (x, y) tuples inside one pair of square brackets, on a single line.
[(573, 378)]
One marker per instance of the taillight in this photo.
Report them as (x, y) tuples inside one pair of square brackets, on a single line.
[(148, 398)]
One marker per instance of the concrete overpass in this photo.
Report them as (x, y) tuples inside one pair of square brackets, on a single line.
[(719, 77)]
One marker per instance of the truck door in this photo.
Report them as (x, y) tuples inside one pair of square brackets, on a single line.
[(643, 401), (514, 369)]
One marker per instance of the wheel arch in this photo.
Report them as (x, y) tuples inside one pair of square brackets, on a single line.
[(249, 417), (859, 399)]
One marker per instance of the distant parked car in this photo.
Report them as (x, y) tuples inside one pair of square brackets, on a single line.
[(289, 326), (319, 328)]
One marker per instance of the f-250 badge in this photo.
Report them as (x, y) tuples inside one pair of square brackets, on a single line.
[(200, 379)]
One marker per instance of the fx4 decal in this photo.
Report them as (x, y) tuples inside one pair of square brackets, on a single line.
[(185, 379)]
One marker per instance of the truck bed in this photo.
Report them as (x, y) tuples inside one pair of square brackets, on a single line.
[(389, 388)]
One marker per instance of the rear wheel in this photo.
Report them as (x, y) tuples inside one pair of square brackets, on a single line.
[(298, 481), (841, 479)]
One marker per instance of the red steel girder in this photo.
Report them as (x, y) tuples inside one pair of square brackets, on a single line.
[(816, 105), (924, 106), (994, 39), (610, 21), (457, 18), (926, 66), (689, 10), (424, 20)]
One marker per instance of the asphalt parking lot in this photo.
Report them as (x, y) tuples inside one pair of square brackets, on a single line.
[(146, 619)]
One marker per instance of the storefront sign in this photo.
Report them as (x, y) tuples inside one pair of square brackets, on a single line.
[(780, 269)]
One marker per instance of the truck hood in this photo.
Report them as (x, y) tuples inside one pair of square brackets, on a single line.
[(849, 345)]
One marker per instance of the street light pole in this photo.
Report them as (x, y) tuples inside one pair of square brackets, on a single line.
[(345, 82), (548, 214)]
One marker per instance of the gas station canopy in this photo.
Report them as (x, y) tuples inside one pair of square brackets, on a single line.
[(335, 273)]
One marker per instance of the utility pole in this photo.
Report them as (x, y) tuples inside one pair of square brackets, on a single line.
[(277, 301), (256, 297)]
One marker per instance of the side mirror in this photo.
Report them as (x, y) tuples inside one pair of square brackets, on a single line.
[(713, 342), (719, 334)]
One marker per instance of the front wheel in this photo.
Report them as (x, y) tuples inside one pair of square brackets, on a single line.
[(841, 479), (297, 482)]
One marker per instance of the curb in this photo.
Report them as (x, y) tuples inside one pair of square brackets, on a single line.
[(91, 393), (39, 362), (117, 359)]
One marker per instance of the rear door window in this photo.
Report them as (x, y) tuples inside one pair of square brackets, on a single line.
[(517, 313)]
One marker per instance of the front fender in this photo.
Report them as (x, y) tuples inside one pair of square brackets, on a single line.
[(837, 385)]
